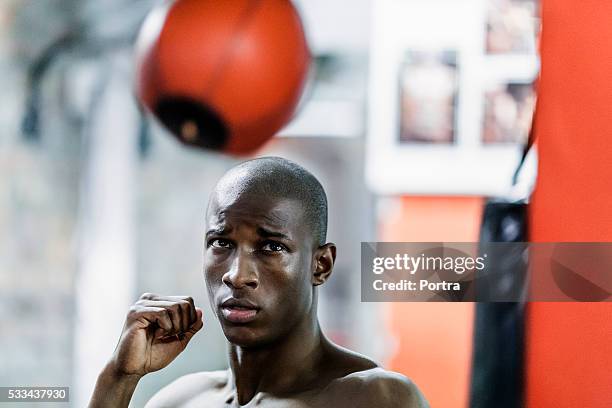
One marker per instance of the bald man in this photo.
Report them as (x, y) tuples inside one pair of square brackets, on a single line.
[(265, 258)]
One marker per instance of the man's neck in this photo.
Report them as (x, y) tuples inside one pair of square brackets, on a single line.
[(279, 368)]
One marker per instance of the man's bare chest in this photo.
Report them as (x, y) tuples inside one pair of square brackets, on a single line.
[(311, 399)]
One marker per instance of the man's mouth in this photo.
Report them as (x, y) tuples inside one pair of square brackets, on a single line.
[(239, 310)]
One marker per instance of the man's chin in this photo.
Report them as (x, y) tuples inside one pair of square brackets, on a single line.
[(244, 337)]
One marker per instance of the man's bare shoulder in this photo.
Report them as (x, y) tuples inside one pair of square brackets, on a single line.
[(187, 387), (380, 388)]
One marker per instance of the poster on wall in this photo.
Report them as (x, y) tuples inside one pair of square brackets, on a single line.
[(511, 26), (428, 97), (508, 113)]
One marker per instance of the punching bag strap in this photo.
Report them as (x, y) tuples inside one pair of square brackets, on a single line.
[(36, 72), (526, 148)]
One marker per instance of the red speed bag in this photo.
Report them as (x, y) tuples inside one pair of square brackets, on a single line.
[(222, 74)]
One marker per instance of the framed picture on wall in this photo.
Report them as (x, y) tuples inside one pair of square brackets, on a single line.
[(508, 112), (428, 84), (511, 26)]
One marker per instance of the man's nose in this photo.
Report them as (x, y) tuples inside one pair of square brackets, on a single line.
[(242, 273)]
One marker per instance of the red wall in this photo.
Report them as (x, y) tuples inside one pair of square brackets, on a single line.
[(433, 340)]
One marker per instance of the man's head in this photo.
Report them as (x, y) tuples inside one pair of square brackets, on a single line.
[(265, 249)]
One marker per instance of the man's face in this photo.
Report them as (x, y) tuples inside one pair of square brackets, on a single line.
[(258, 266)]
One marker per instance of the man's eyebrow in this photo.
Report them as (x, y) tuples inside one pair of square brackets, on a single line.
[(221, 230), (271, 234)]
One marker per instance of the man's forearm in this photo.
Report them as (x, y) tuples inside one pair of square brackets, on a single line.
[(113, 390)]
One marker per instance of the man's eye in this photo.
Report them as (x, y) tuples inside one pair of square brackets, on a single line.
[(272, 246), (220, 243)]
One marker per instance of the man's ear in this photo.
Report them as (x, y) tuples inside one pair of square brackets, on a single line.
[(325, 256)]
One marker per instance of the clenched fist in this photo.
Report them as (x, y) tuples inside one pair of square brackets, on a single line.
[(157, 329)]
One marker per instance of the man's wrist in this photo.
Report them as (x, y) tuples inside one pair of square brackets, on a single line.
[(112, 373), (113, 388)]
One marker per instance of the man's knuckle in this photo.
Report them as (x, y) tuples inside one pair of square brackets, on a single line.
[(133, 310)]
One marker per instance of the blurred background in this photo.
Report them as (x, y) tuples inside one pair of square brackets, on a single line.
[(416, 112)]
